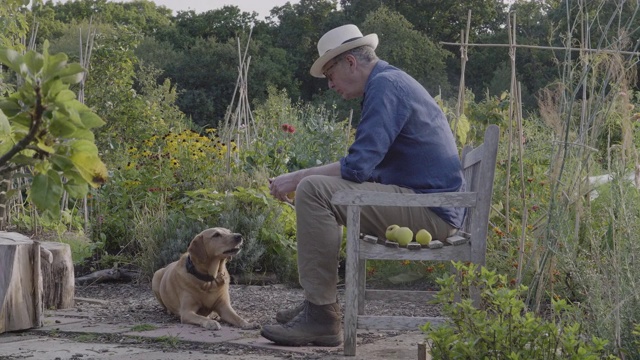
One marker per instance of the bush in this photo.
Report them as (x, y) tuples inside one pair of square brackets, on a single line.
[(502, 328)]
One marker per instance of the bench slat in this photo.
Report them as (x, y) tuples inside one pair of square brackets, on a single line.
[(446, 253), (396, 322), (399, 295)]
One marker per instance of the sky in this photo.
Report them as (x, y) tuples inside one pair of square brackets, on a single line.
[(262, 7)]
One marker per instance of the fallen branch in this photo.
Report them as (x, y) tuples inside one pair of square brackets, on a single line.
[(101, 276)]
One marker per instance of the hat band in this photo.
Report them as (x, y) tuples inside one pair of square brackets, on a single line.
[(352, 39)]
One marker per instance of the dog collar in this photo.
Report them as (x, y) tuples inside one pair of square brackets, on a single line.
[(192, 270)]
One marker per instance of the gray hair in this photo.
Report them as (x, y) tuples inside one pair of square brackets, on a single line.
[(365, 54)]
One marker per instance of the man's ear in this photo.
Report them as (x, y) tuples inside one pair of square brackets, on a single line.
[(197, 250)]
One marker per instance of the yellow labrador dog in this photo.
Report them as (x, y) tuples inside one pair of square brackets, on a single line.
[(196, 287)]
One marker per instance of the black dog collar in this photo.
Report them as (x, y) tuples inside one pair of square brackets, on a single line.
[(192, 270)]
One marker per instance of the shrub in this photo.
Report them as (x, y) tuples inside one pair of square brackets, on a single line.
[(502, 328)]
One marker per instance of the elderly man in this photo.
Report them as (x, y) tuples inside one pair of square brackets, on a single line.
[(403, 144)]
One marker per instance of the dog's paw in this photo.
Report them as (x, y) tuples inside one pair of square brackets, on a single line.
[(211, 325), (250, 326)]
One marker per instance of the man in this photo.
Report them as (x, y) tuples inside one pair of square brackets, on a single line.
[(403, 144)]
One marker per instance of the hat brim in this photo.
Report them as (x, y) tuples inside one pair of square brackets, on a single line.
[(316, 68)]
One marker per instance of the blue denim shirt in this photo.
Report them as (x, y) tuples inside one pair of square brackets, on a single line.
[(404, 139)]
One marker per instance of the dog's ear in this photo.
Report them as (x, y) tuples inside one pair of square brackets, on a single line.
[(197, 250)]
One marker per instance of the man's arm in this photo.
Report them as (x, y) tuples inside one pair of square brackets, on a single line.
[(287, 183)]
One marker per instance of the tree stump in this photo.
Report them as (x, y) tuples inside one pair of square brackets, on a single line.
[(58, 279), (33, 276), (21, 304)]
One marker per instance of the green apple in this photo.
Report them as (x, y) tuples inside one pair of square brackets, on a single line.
[(389, 233), (423, 237), (403, 235)]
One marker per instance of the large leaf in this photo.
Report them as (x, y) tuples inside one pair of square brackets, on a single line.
[(46, 191), (54, 63), (51, 88), (72, 74), (11, 59), (61, 163), (10, 107), (62, 127), (5, 127), (91, 120), (34, 62), (76, 190), (84, 155), (64, 96)]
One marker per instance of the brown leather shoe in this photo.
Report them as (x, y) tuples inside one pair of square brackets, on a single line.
[(319, 325), (284, 316)]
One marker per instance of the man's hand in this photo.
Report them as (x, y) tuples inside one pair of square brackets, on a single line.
[(283, 185)]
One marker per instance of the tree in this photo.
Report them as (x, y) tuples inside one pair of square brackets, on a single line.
[(43, 127), (408, 49)]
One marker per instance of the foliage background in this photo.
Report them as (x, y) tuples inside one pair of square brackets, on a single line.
[(163, 83)]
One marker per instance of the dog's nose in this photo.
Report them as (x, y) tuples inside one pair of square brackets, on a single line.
[(237, 238)]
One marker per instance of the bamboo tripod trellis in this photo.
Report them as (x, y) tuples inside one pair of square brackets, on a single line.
[(239, 125), (515, 110)]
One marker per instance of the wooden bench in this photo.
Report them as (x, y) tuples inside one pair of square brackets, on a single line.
[(479, 169)]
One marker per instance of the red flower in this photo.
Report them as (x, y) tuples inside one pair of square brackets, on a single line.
[(288, 128)]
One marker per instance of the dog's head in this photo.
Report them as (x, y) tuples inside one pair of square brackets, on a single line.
[(215, 243)]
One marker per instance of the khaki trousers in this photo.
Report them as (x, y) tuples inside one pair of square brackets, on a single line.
[(319, 232)]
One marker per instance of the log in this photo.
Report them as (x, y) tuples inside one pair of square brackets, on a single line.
[(58, 276), (106, 275), (21, 305)]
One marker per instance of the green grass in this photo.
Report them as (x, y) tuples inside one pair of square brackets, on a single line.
[(144, 327)]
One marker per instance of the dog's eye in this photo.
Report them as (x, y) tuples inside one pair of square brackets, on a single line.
[(216, 234)]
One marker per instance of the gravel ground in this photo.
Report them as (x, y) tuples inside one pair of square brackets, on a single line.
[(134, 303)]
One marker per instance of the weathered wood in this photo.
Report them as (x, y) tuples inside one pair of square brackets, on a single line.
[(479, 171), (377, 252), (21, 304), (399, 295), (58, 276), (435, 244), (422, 351), (396, 322), (456, 240)]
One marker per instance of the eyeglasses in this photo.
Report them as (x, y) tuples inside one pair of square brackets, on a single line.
[(326, 72)]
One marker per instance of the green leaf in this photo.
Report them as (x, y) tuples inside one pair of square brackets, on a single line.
[(46, 191), (84, 134), (52, 87), (62, 163), (64, 96), (62, 127), (11, 59), (72, 74), (53, 64), (34, 62), (22, 120), (76, 190), (10, 107), (84, 155), (44, 147), (91, 120), (5, 127), (24, 158)]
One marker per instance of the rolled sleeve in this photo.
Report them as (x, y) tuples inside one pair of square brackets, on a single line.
[(351, 174)]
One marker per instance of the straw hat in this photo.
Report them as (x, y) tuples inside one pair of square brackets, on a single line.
[(337, 41)]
